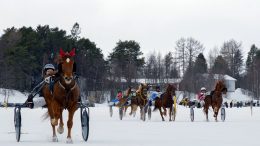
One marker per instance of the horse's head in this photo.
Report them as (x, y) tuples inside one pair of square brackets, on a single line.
[(171, 90), (66, 65), (142, 89), (221, 87)]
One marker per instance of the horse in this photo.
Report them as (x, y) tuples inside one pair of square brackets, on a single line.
[(166, 101), (140, 99), (123, 101), (215, 99), (65, 95)]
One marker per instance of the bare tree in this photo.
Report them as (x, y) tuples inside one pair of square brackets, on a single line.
[(228, 51), (168, 60), (187, 50), (213, 54), (180, 54)]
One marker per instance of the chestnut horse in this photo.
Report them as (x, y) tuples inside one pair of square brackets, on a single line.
[(215, 99), (140, 99), (166, 101), (65, 95)]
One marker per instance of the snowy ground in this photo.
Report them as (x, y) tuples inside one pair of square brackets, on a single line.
[(239, 129)]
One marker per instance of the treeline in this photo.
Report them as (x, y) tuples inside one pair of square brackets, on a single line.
[(24, 51)]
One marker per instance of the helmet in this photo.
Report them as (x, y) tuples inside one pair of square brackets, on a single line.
[(157, 87), (203, 89), (49, 66)]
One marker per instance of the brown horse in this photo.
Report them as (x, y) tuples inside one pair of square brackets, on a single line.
[(215, 99), (65, 95), (123, 101), (140, 99), (166, 101)]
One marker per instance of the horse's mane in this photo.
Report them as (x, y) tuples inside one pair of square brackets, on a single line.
[(128, 91), (140, 88), (219, 86), (170, 88)]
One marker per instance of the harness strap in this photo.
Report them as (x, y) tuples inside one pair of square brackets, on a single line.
[(144, 99), (65, 105)]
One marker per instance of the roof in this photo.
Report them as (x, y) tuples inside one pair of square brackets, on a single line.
[(221, 76), (226, 77)]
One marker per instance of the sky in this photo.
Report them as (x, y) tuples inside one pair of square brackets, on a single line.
[(155, 24)]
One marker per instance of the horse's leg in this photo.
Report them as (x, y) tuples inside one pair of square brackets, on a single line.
[(165, 111), (141, 113), (55, 108), (125, 108), (216, 113), (60, 129), (70, 122), (206, 111), (160, 109), (134, 109)]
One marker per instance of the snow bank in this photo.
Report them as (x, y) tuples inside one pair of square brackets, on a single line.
[(238, 95), (12, 95)]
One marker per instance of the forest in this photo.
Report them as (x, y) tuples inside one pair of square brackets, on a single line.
[(24, 51)]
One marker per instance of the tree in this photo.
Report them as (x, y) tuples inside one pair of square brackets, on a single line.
[(200, 65), (151, 70), (75, 31), (250, 56), (168, 60), (213, 54), (220, 66), (126, 59), (238, 63), (228, 51), (181, 54), (187, 50)]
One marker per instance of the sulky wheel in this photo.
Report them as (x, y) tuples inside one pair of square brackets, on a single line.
[(85, 122), (149, 113), (223, 114), (17, 122), (143, 114), (110, 111), (191, 114)]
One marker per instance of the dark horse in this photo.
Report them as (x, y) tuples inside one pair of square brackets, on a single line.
[(166, 101), (140, 99), (65, 95), (215, 99)]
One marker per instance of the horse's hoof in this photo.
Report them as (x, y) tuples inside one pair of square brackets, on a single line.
[(69, 140), (60, 129), (54, 139)]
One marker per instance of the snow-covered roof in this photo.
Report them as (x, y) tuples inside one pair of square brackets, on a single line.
[(221, 76), (227, 77)]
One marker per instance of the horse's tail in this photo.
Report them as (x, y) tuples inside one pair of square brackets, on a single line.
[(45, 116), (156, 103)]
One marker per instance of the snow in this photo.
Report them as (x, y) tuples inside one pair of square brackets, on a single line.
[(238, 95), (239, 129)]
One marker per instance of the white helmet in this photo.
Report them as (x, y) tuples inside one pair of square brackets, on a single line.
[(203, 89), (49, 66)]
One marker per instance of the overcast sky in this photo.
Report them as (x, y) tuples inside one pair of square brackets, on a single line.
[(155, 24)]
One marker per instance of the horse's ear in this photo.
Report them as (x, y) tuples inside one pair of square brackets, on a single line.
[(62, 53), (59, 68), (72, 52)]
